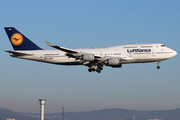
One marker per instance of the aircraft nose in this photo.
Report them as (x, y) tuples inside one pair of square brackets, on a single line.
[(174, 53)]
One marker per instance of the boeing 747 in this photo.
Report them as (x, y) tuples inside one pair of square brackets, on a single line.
[(93, 58)]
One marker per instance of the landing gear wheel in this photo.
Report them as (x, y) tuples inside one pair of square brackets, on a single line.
[(90, 70), (98, 70), (158, 67), (101, 68)]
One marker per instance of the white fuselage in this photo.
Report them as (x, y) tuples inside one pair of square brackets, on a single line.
[(134, 53)]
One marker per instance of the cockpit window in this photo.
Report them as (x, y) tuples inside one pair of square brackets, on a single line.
[(162, 45)]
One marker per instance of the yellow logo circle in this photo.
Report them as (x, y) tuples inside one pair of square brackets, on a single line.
[(16, 39)]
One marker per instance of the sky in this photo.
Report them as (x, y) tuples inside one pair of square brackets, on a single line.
[(85, 24)]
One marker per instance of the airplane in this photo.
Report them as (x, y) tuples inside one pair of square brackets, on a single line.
[(93, 58)]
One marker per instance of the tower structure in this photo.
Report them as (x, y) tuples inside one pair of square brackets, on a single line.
[(42, 103), (134, 117), (63, 108)]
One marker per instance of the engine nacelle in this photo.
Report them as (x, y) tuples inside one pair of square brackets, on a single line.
[(112, 62), (88, 57)]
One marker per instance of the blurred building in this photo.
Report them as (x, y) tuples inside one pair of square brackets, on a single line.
[(10, 119), (155, 119)]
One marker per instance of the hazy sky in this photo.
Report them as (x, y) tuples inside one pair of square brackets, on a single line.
[(86, 24)]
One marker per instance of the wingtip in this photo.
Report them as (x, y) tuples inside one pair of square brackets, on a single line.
[(48, 43)]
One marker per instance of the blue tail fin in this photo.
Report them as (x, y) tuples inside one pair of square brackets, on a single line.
[(19, 41)]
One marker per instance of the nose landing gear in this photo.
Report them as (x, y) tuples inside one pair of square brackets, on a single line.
[(158, 67)]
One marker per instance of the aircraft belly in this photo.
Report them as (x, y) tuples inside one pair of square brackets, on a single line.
[(62, 60), (145, 60)]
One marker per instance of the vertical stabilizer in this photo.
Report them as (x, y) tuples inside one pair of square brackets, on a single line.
[(19, 41)]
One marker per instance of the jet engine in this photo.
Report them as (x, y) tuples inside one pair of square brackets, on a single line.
[(114, 62), (88, 57)]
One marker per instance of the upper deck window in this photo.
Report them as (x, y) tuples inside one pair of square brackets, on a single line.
[(162, 45)]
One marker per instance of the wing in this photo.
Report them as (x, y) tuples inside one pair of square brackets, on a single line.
[(86, 58), (69, 52), (18, 53)]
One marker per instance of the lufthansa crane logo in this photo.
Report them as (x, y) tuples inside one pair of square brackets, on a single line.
[(16, 39)]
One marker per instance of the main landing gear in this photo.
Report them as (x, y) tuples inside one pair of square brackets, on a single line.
[(158, 67), (91, 69), (98, 69)]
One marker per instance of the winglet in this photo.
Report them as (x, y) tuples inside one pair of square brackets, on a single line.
[(49, 44)]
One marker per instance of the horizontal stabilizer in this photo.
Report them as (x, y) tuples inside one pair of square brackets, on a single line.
[(18, 53), (61, 48)]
